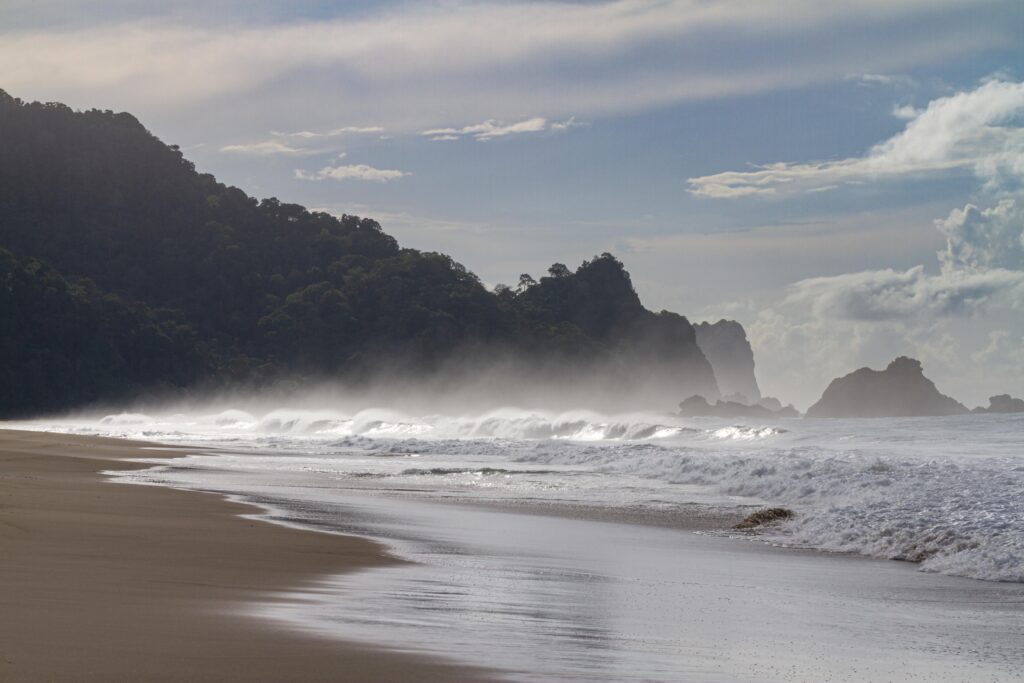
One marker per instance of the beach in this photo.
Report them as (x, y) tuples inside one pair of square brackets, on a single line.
[(202, 560), (106, 582)]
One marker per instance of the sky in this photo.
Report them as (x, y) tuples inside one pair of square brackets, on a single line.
[(846, 179)]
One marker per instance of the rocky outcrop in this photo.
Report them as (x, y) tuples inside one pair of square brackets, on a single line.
[(698, 406), (646, 359), (1003, 403), (726, 347), (901, 390)]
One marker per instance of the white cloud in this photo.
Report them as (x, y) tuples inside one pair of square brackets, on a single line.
[(294, 143), (352, 172), (490, 129), (334, 132), (887, 80), (901, 295), (954, 320), (906, 112), (982, 239), (974, 131), (962, 320), (267, 148)]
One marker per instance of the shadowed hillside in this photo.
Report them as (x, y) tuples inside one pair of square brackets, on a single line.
[(118, 237)]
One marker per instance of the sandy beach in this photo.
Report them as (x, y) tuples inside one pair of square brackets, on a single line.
[(107, 582)]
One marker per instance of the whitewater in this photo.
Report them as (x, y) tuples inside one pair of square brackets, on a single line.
[(945, 493)]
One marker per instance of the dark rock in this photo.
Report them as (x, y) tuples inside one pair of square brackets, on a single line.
[(901, 390), (698, 406), (787, 411), (726, 347), (763, 517), (1003, 403)]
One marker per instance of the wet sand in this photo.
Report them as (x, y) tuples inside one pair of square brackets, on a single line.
[(109, 582)]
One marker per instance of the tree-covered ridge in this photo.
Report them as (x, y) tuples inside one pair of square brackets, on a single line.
[(65, 344), (252, 291), (98, 196)]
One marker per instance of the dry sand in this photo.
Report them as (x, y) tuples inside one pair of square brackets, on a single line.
[(110, 582)]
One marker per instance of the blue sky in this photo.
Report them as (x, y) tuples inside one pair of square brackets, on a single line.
[(516, 134)]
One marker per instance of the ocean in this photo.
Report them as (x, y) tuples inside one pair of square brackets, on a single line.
[(582, 546)]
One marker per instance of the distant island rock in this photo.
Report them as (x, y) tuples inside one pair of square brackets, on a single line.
[(1003, 403), (725, 346), (698, 406), (901, 390)]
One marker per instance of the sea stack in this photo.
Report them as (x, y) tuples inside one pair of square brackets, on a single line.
[(1003, 403), (901, 390), (725, 346)]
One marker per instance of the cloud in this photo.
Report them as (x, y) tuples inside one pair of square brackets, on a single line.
[(977, 131), (490, 129), (267, 148), (982, 265), (982, 239), (906, 112), (887, 80), (293, 143), (413, 66), (888, 294), (335, 132), (829, 327), (962, 321), (351, 172)]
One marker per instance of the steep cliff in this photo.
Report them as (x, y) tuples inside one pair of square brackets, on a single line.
[(726, 347)]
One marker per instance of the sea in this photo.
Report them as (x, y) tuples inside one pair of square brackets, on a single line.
[(574, 545)]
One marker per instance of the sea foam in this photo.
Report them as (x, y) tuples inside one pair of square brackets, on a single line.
[(946, 493)]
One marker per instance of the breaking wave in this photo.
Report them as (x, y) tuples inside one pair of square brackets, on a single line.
[(946, 493), (507, 423), (962, 517)]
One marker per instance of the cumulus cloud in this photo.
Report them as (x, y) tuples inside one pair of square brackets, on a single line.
[(490, 129), (963, 320), (982, 239), (982, 265), (351, 172), (955, 319), (978, 130)]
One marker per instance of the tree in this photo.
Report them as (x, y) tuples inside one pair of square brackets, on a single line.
[(559, 270)]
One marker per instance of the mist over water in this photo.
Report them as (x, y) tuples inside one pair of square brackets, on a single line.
[(947, 493)]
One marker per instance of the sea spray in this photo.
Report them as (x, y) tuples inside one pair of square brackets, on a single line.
[(946, 493)]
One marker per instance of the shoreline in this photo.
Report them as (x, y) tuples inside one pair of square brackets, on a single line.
[(108, 582), (153, 582)]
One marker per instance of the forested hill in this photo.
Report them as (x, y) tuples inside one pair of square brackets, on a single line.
[(126, 270)]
